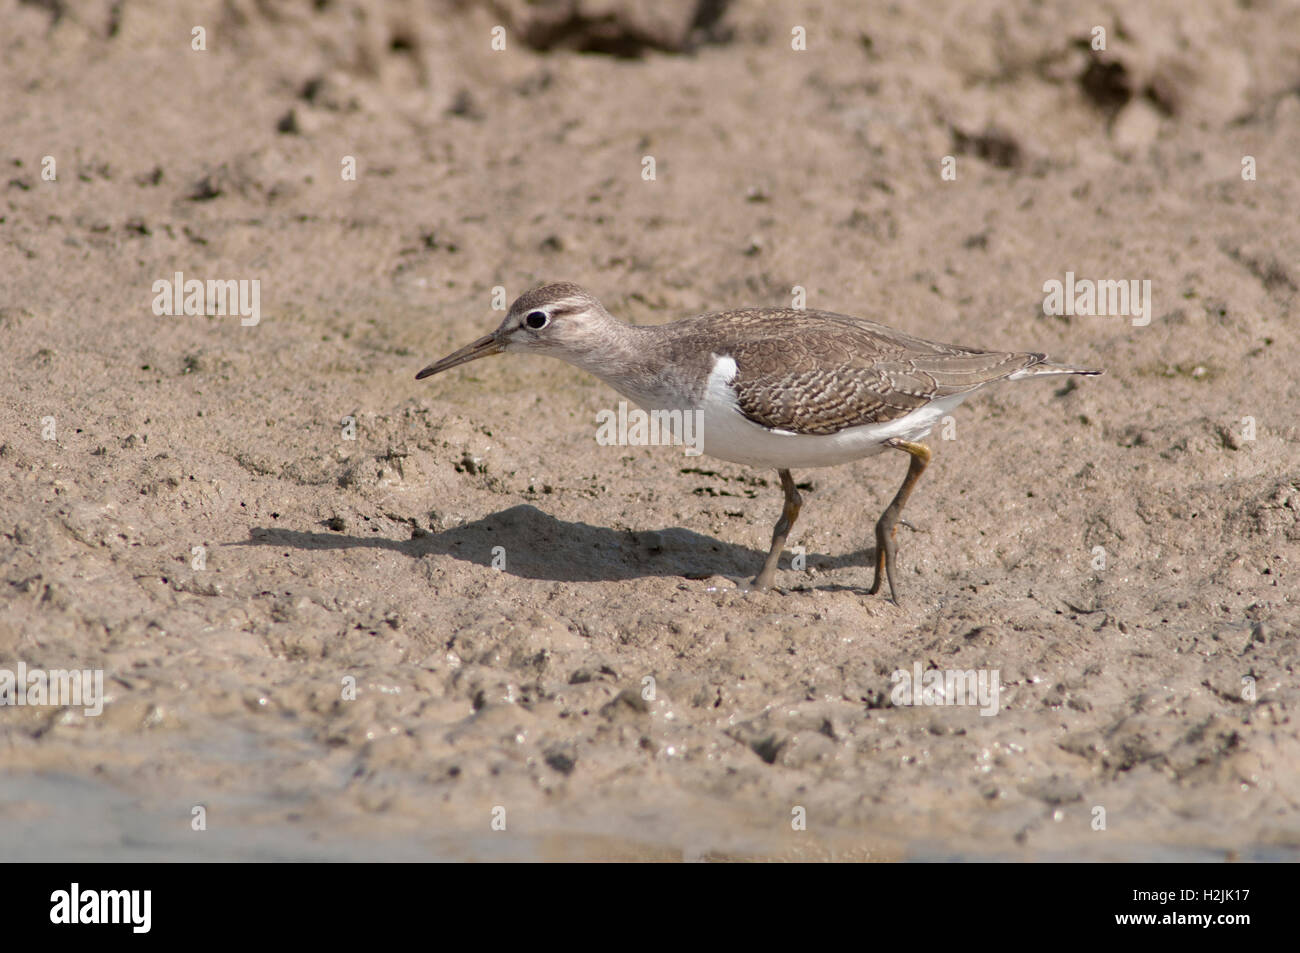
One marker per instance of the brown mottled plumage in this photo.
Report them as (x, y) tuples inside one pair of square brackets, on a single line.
[(776, 387), (815, 372)]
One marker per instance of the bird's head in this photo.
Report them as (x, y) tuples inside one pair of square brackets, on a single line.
[(560, 320)]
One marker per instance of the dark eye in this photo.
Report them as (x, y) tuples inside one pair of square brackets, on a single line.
[(536, 320)]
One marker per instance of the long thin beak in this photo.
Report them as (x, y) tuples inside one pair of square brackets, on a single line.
[(485, 346)]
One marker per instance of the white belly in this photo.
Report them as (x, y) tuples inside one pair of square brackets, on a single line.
[(729, 435)]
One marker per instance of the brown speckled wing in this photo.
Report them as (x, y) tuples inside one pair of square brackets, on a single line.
[(813, 372)]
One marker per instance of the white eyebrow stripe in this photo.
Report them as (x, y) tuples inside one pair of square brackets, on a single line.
[(564, 304)]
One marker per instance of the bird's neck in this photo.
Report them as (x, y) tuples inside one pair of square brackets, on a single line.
[(628, 360)]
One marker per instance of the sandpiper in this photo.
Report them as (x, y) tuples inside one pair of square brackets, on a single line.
[(777, 387)]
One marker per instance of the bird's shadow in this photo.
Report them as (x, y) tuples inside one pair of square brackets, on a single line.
[(525, 542)]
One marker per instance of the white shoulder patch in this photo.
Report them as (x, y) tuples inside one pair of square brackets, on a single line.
[(724, 369)]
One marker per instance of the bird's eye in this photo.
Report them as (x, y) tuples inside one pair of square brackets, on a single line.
[(536, 320)]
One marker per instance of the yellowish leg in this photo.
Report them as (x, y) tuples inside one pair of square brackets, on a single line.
[(888, 524), (789, 513)]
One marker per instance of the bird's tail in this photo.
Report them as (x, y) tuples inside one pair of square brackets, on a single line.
[(1042, 367)]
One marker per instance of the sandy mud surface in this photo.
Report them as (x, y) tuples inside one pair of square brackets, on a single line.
[(184, 508)]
